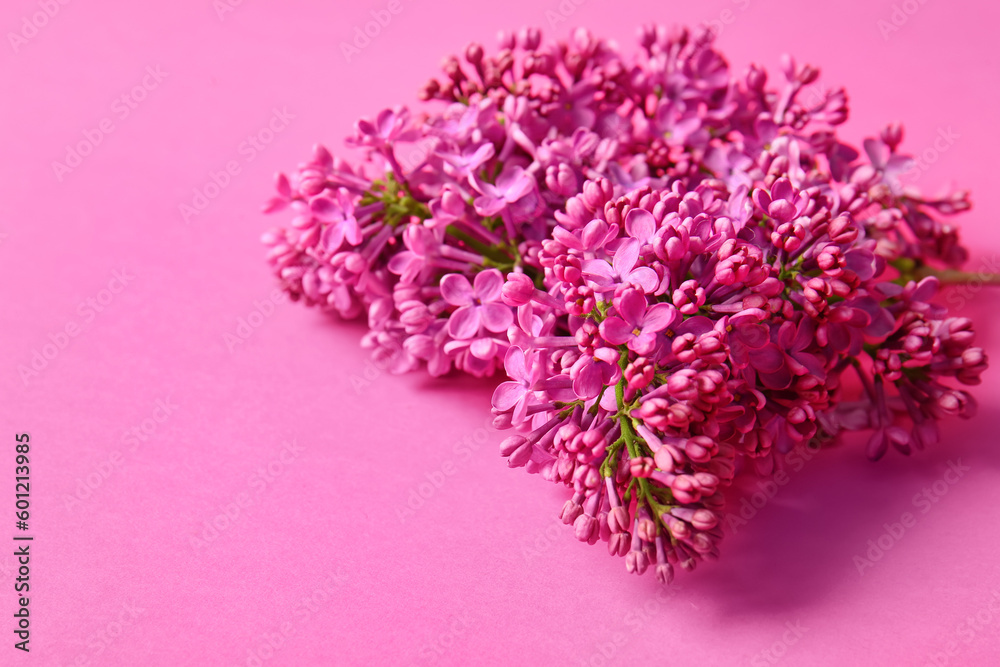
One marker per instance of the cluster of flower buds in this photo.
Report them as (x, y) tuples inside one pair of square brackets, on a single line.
[(683, 334), (683, 272)]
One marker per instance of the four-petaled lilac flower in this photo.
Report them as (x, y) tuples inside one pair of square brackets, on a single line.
[(421, 243), (514, 394), (468, 160), (888, 163), (781, 203), (338, 218), (745, 334), (640, 224), (512, 184), (637, 323), (622, 269), (479, 303), (389, 126), (696, 254)]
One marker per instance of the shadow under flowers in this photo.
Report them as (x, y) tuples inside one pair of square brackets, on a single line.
[(798, 546)]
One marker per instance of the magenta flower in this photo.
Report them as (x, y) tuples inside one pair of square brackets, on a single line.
[(339, 221), (705, 275), (415, 260), (637, 323), (886, 161), (640, 224), (745, 333), (479, 303), (388, 127), (512, 184), (513, 395), (466, 162), (623, 269), (781, 203)]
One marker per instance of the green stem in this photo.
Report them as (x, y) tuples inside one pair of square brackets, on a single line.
[(631, 441), (911, 270), (956, 277), (493, 253)]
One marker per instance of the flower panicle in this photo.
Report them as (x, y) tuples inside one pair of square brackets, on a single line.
[(681, 270)]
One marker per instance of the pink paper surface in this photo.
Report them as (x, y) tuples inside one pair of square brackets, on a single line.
[(370, 519)]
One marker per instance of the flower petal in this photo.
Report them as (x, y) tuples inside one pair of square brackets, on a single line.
[(588, 382), (514, 183), (644, 278), (753, 335), (595, 234), (644, 343), (496, 317), (488, 206), (599, 272), (487, 285), (659, 317), (616, 331), (768, 359), (626, 256), (352, 232), (400, 262), (464, 323), (483, 348), (513, 363), (326, 209), (640, 224), (631, 306), (456, 290), (333, 238), (507, 395)]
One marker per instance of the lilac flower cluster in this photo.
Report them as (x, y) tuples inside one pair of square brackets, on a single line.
[(683, 272), (683, 333)]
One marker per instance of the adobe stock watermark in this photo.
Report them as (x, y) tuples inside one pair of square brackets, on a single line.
[(416, 154), (373, 370), (923, 501), (726, 18), (774, 653), (381, 18), (563, 12), (99, 641), (88, 310), (131, 440), (925, 159), (258, 482), (544, 538), (959, 295), (767, 489), (223, 7), (382, 358), (269, 643), (121, 108), (607, 650), (463, 451), (248, 149), (899, 17), (247, 326), (972, 626), (437, 647), (33, 23)]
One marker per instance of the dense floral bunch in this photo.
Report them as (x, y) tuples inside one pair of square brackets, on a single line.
[(684, 330), (682, 272)]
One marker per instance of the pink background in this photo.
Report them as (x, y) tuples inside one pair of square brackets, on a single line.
[(477, 574)]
